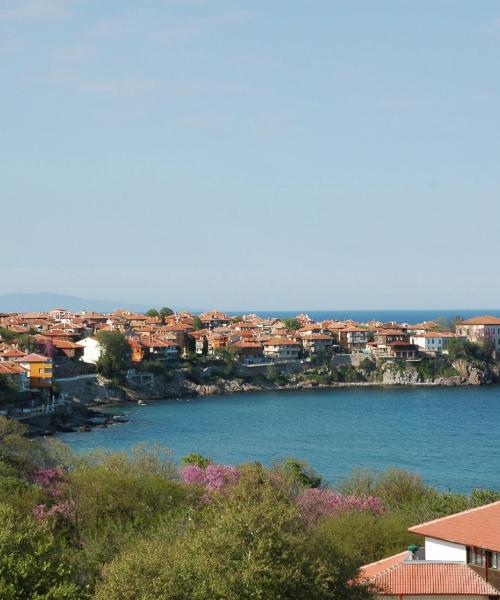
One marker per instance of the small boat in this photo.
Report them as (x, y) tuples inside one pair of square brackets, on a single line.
[(141, 402)]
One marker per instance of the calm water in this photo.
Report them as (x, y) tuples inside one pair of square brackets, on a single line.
[(401, 316), (450, 436)]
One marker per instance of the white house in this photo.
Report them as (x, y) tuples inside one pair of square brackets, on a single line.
[(461, 559), (92, 350), (433, 342)]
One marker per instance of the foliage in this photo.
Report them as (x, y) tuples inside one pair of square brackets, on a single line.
[(33, 564), (194, 458), (276, 376), (364, 536), (8, 385), (367, 365), (252, 544), (116, 353), (293, 324), (152, 313), (212, 478), (25, 341), (346, 373), (17, 452), (197, 323), (165, 312), (395, 487), (301, 472), (470, 351), (316, 503)]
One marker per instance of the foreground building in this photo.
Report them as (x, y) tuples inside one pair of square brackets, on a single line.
[(460, 559)]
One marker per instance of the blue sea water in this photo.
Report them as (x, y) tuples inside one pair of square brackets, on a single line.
[(448, 435), (363, 316)]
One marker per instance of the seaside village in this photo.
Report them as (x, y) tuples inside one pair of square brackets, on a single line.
[(454, 557), (38, 350)]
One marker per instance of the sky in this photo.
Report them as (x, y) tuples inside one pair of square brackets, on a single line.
[(252, 154)]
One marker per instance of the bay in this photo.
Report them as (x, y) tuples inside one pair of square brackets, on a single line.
[(448, 435)]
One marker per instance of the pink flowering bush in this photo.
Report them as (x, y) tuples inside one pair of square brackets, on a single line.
[(214, 478), (52, 481), (63, 509), (317, 502)]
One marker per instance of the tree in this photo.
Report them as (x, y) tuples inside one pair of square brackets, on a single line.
[(32, 563), (294, 324), (197, 323), (152, 312), (470, 351), (250, 544), (165, 312), (196, 459), (116, 353)]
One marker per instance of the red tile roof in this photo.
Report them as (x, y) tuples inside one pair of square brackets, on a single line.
[(482, 320), (426, 578), (475, 527)]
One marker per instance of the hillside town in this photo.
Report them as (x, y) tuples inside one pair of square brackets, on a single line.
[(40, 350)]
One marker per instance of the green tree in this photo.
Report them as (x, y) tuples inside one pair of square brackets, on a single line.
[(294, 324), (301, 472), (197, 323), (116, 353), (165, 312), (469, 351), (196, 459), (365, 537), (33, 565), (152, 312), (251, 544)]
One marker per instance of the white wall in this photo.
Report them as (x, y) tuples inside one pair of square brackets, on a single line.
[(446, 551), (91, 350)]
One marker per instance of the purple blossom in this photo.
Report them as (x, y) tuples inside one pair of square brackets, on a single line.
[(214, 478), (64, 509), (316, 503), (51, 480)]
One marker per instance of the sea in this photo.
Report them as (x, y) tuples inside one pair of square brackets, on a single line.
[(450, 436), (363, 316)]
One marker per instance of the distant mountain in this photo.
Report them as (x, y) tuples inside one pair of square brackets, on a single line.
[(47, 301)]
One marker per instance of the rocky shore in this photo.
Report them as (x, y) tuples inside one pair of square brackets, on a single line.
[(87, 396)]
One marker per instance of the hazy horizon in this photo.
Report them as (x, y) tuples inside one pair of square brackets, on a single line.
[(229, 153)]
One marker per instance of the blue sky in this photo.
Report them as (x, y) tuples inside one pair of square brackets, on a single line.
[(252, 154)]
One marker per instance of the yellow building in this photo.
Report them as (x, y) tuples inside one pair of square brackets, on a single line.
[(39, 369)]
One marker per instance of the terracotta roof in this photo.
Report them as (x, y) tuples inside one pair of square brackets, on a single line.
[(427, 578), (281, 342), (34, 358), (475, 527), (482, 320), (377, 567)]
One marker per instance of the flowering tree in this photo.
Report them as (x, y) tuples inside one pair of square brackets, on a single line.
[(53, 482), (213, 478), (315, 503)]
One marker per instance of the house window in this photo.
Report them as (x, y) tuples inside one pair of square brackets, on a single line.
[(477, 556), (495, 560)]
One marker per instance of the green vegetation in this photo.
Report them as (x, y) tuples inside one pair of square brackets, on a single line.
[(116, 354), (477, 354), (24, 341), (132, 526), (165, 312), (292, 324), (197, 323)]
